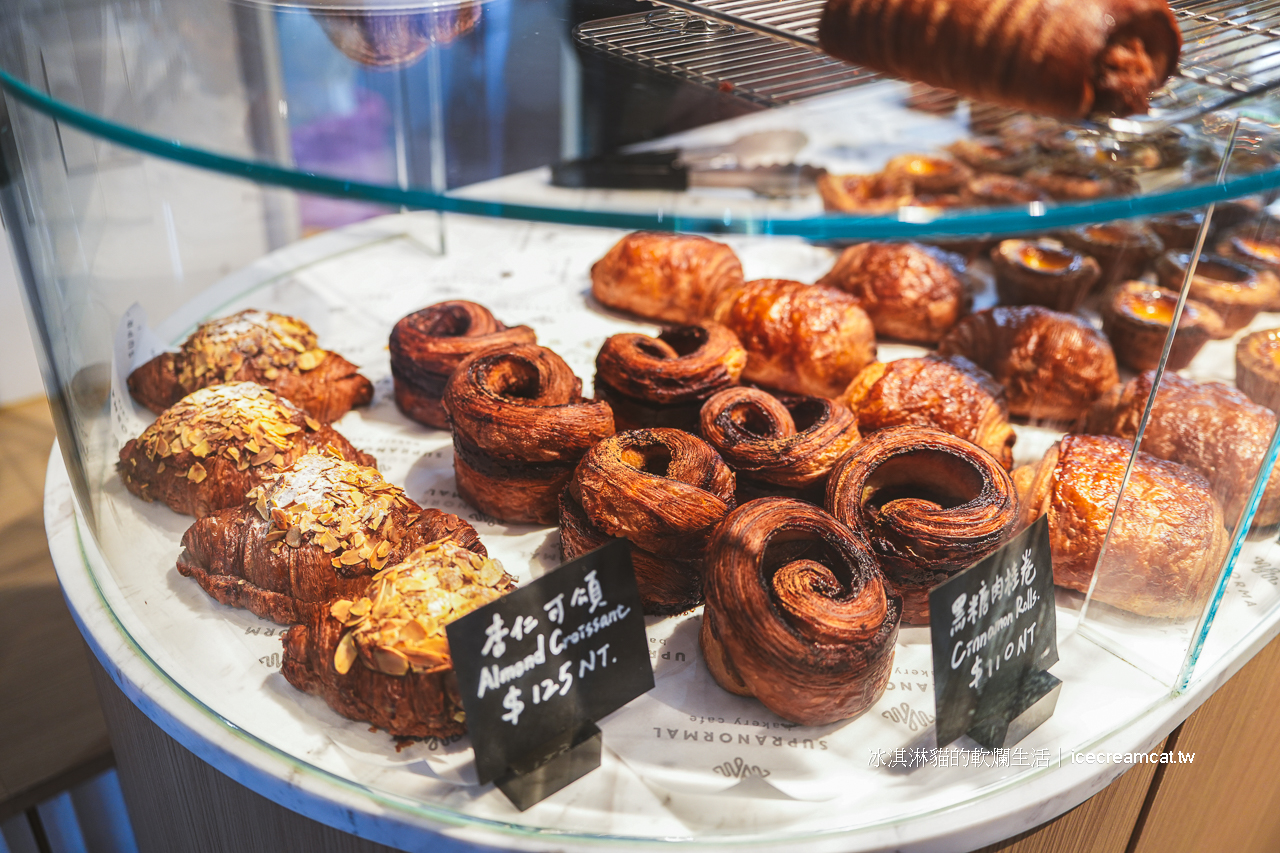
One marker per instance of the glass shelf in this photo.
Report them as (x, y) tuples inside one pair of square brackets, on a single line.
[(469, 122)]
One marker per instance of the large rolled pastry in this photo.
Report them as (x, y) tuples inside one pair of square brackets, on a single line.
[(1052, 365), (662, 490), (930, 504), (663, 381), (1065, 59), (384, 656), (778, 443), (806, 339), (314, 533), (1167, 541), (520, 425), (952, 394), (428, 345), (797, 613), (672, 277), (273, 350), (1210, 427)]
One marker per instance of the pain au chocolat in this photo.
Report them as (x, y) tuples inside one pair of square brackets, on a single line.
[(1061, 59), (382, 655), (208, 450), (930, 504), (273, 350), (1166, 541), (1210, 427), (676, 278), (663, 381), (520, 425), (798, 614), (664, 491), (428, 345), (778, 444), (800, 338), (911, 292), (1052, 365), (950, 393), (314, 533)]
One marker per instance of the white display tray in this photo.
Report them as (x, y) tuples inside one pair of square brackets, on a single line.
[(687, 762)]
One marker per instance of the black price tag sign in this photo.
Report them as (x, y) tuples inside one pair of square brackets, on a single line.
[(537, 667), (994, 631)]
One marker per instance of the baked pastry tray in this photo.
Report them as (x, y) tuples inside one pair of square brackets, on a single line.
[(688, 761), (1230, 53)]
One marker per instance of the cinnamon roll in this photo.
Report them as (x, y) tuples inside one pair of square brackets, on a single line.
[(275, 351), (1061, 59), (1166, 542), (952, 394), (314, 533), (664, 381), (671, 277), (1052, 365), (428, 345), (798, 615), (208, 450), (773, 443), (382, 655), (664, 491), (910, 291), (1209, 427), (930, 504), (520, 425), (806, 339)]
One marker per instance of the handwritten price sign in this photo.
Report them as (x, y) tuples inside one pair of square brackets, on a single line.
[(550, 658)]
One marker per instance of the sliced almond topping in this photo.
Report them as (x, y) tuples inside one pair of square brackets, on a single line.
[(196, 473), (390, 661), (341, 610), (345, 655), (293, 538)]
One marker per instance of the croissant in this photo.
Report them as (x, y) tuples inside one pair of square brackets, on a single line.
[(952, 394), (273, 350), (797, 613), (1061, 59), (1211, 428), (428, 345), (664, 381), (1166, 543), (672, 277), (799, 338), (520, 425), (911, 292), (384, 657), (771, 442), (664, 491), (930, 504), (314, 533), (205, 452), (1052, 365)]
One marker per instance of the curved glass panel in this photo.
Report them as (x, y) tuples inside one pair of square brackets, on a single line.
[(462, 108)]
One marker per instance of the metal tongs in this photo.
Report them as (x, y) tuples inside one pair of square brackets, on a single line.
[(761, 162)]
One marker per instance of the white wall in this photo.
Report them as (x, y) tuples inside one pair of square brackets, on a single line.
[(19, 376)]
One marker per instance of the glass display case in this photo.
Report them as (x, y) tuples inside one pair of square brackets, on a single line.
[(351, 163)]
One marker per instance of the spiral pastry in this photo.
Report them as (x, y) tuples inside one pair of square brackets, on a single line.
[(798, 615), (771, 442), (520, 424), (664, 491), (663, 381), (428, 345), (931, 504)]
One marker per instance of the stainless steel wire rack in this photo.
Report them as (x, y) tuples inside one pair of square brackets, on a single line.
[(766, 51)]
